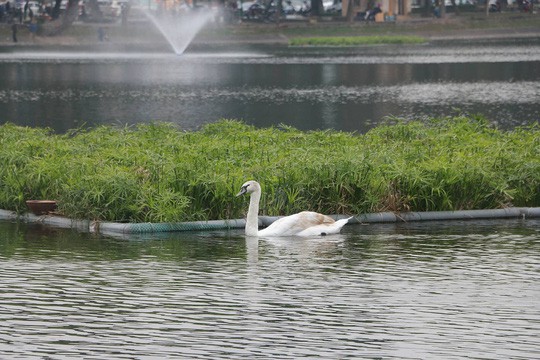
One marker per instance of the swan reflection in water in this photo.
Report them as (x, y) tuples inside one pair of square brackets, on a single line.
[(293, 246)]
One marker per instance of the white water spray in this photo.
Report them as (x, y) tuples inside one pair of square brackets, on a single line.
[(180, 30)]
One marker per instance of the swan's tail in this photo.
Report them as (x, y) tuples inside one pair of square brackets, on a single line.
[(324, 229), (341, 222), (344, 221)]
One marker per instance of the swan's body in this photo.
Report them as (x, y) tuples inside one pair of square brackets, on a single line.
[(305, 223)]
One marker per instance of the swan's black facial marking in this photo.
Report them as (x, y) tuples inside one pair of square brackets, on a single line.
[(243, 190)]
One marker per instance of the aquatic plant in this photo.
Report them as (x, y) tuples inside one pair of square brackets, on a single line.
[(157, 172), (356, 40)]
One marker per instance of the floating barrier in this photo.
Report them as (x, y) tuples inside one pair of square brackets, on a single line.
[(148, 228)]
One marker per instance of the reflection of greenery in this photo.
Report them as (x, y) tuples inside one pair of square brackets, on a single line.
[(376, 242), (440, 242), (10, 239), (158, 173), (35, 241)]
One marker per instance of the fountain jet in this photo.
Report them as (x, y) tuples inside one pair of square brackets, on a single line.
[(180, 30)]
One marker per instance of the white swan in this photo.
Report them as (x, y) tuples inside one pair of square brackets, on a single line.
[(305, 223)]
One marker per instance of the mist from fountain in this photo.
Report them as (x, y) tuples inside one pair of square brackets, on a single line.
[(179, 31)]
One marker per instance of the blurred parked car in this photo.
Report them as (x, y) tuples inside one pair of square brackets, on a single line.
[(32, 5), (334, 8), (459, 2), (260, 10), (300, 6)]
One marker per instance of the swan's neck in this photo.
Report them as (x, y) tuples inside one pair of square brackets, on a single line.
[(252, 221)]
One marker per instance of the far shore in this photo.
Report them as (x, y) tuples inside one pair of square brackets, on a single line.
[(467, 26)]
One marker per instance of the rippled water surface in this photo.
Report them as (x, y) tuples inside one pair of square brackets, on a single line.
[(349, 89), (414, 291)]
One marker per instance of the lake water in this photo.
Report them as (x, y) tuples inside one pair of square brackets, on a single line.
[(401, 291), (349, 89), (456, 290)]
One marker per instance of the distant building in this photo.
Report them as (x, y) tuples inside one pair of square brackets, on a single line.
[(388, 7)]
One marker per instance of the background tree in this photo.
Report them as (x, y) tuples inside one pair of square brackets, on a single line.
[(95, 11), (61, 23), (316, 7), (350, 10), (56, 9), (455, 7), (279, 10), (442, 8)]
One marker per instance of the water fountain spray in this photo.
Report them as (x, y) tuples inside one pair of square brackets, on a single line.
[(180, 30)]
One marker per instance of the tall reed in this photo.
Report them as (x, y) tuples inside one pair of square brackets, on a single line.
[(157, 172)]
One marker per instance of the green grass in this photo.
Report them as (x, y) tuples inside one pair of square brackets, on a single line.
[(158, 172), (355, 40)]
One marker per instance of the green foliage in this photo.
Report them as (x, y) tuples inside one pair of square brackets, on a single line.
[(158, 173), (356, 40)]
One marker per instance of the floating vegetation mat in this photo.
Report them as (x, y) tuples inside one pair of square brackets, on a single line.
[(159, 173)]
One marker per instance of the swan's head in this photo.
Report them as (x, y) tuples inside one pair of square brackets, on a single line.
[(249, 187)]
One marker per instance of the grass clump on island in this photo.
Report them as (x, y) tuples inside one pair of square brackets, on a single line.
[(159, 173), (356, 40)]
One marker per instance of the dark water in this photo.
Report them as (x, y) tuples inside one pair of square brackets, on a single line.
[(411, 291), (345, 89)]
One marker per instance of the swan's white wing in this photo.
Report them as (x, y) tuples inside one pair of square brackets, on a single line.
[(296, 224), (324, 229)]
